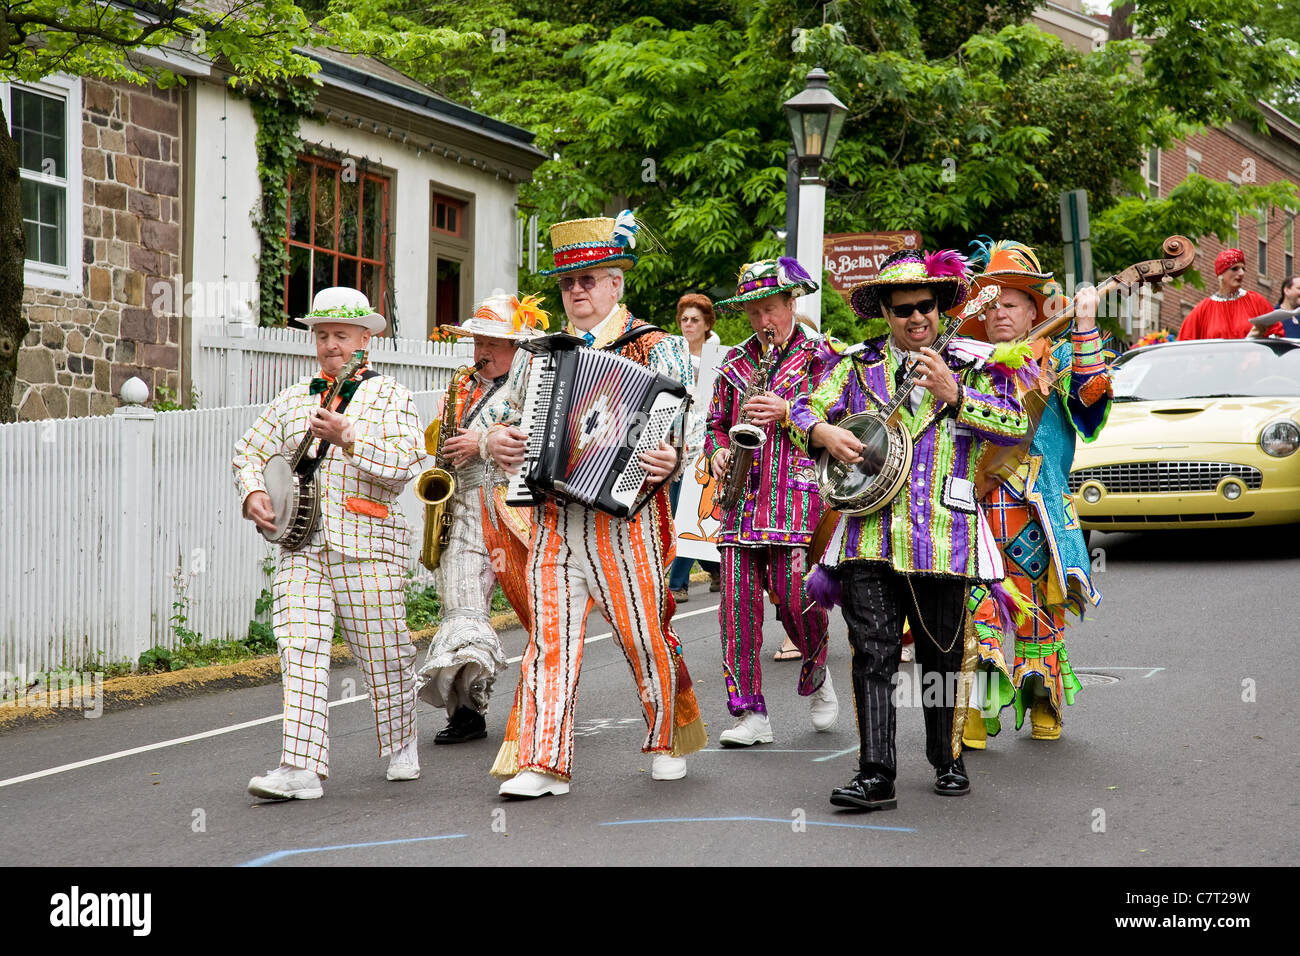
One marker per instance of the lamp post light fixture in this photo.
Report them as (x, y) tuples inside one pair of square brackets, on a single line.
[(816, 117)]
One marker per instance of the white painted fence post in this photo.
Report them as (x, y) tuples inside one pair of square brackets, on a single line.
[(238, 324), (135, 521)]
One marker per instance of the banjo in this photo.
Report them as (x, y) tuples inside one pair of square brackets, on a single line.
[(291, 482), (864, 487)]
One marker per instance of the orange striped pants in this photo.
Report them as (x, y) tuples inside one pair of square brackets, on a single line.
[(580, 558)]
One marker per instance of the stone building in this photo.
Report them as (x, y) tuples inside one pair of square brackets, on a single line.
[(138, 206)]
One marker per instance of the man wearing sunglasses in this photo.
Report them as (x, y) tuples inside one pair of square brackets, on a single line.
[(581, 558), (918, 556)]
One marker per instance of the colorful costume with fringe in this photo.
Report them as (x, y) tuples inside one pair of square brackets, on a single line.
[(919, 555), (764, 541), (1032, 516), (488, 545), (579, 559)]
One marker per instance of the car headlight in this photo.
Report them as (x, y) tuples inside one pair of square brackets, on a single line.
[(1280, 439), (1091, 493)]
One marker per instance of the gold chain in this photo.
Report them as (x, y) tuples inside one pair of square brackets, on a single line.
[(961, 620)]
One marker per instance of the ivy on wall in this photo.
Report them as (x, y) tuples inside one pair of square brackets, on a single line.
[(277, 111)]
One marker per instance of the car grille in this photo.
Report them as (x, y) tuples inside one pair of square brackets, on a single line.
[(1148, 477)]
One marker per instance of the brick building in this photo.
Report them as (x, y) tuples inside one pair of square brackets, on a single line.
[(1234, 154)]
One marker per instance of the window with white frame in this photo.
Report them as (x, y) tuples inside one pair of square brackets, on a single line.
[(1262, 234), (1152, 172), (45, 123), (1288, 248)]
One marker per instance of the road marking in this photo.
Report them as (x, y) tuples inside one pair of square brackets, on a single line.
[(160, 745), (217, 732), (1149, 670), (839, 753), (811, 823), (281, 854)]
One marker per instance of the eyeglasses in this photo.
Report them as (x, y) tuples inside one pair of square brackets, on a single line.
[(925, 307), (587, 282)]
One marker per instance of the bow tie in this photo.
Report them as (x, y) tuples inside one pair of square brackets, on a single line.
[(319, 386), (899, 374), (588, 338)]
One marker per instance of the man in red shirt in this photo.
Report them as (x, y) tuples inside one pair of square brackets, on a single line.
[(1227, 313)]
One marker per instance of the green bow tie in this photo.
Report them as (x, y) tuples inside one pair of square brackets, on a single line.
[(319, 386)]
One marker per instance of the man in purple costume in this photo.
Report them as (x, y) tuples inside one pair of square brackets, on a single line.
[(917, 556), (764, 539)]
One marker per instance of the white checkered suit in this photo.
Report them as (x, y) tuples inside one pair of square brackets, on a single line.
[(353, 566)]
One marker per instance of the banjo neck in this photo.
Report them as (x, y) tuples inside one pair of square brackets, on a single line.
[(354, 364), (913, 368)]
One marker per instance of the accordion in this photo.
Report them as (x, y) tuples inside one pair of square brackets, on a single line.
[(589, 413)]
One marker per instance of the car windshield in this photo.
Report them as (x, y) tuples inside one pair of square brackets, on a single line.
[(1212, 369)]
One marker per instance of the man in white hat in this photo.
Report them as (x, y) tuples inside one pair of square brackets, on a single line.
[(353, 565), (488, 543)]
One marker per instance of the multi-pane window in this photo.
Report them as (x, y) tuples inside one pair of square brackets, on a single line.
[(1262, 234), (338, 232), (45, 122), (1152, 172), (448, 216), (39, 127), (1288, 248)]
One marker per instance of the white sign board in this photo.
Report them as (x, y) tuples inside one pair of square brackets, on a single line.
[(697, 528)]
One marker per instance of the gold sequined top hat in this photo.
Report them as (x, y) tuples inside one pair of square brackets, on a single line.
[(584, 243)]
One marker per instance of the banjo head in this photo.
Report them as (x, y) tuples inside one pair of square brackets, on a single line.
[(282, 487), (866, 486)]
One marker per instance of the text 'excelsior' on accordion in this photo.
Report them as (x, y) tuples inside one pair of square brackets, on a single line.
[(589, 414)]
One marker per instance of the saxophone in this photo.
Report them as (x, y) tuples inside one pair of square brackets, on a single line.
[(436, 485), (744, 438)]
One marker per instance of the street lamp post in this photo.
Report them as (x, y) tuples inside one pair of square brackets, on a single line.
[(816, 117)]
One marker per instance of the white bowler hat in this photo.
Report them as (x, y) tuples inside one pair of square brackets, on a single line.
[(343, 305)]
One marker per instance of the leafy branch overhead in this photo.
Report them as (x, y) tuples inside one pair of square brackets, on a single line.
[(964, 119)]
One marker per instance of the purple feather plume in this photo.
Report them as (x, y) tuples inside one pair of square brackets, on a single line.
[(1006, 608), (793, 271), (945, 262), (823, 587)]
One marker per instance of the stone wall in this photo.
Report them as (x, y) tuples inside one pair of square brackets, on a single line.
[(81, 348)]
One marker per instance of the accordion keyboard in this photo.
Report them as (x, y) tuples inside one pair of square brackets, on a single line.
[(537, 401)]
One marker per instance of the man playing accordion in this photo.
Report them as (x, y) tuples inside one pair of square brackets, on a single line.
[(582, 558)]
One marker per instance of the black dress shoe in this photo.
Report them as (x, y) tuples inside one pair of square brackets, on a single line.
[(875, 792), (465, 724), (951, 780)]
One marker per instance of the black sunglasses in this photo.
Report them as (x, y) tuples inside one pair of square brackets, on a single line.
[(925, 307), (587, 282)]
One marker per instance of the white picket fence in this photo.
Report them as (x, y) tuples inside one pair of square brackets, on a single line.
[(238, 364), (101, 517)]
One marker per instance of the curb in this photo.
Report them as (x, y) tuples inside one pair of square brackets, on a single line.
[(137, 690)]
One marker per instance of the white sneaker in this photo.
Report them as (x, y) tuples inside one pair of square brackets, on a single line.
[(404, 764), (668, 767), (825, 706), (529, 783), (752, 728), (287, 783)]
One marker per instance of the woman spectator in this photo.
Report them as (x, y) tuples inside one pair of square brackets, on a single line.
[(696, 319)]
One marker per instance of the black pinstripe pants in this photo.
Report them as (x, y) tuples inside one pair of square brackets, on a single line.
[(876, 598)]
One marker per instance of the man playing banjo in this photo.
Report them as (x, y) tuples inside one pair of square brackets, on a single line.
[(353, 562), (917, 554)]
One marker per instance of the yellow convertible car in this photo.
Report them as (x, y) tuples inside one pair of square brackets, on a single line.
[(1202, 433)]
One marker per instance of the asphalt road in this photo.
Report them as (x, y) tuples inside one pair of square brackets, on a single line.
[(1180, 750)]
